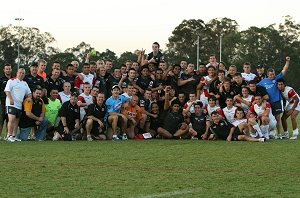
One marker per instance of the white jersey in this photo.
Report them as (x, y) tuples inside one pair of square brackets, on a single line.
[(237, 122), (210, 109), (64, 97), (248, 77), (84, 99), (250, 99), (260, 109), (229, 113), (18, 90), (192, 109), (288, 94)]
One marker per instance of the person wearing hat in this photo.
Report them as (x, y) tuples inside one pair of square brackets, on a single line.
[(69, 120), (260, 73), (114, 117)]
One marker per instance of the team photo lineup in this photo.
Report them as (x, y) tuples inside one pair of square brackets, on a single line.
[(146, 98)]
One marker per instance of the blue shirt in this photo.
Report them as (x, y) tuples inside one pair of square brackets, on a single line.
[(115, 105), (271, 88)]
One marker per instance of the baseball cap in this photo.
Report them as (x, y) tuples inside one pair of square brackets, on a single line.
[(115, 86), (74, 94), (260, 66), (33, 65)]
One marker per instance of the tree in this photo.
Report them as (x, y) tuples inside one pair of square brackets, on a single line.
[(34, 44), (183, 42), (124, 57)]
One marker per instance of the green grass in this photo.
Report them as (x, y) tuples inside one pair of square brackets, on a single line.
[(154, 168)]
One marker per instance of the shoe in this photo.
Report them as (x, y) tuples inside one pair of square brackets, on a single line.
[(294, 138), (285, 135), (124, 137), (262, 139), (279, 137), (89, 138), (17, 140), (10, 139), (273, 135), (115, 138), (194, 138), (56, 136)]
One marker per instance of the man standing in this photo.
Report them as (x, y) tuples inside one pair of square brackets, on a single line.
[(3, 81), (270, 84), (33, 116), (16, 89), (292, 108)]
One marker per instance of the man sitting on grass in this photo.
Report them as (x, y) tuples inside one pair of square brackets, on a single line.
[(95, 123), (221, 129), (69, 120), (173, 124)]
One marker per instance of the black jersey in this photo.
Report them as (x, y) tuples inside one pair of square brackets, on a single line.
[(172, 121), (198, 122), (221, 130), (3, 82), (96, 111), (71, 113), (34, 81)]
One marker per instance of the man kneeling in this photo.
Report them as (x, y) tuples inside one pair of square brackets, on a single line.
[(33, 116), (221, 129)]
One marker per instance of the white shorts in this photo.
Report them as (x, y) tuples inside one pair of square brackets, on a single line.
[(272, 124), (290, 105)]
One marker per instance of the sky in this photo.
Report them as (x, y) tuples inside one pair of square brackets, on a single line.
[(127, 25)]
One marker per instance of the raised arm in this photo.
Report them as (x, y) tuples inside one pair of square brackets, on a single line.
[(286, 66)]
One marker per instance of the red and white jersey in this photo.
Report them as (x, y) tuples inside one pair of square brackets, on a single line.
[(210, 109), (289, 94), (239, 121), (18, 90), (205, 90), (250, 98), (260, 109), (248, 77), (78, 83), (229, 113), (192, 109), (63, 97), (82, 98)]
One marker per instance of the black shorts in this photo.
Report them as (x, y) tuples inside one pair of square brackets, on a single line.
[(236, 134), (14, 111), (3, 115), (95, 129), (200, 132), (276, 108)]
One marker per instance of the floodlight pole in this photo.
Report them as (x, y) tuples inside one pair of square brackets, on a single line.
[(220, 47), (198, 47), (19, 20)]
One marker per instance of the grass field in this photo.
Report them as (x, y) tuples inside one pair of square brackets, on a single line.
[(150, 168)]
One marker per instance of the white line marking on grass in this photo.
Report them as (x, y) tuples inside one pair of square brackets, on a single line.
[(167, 194)]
